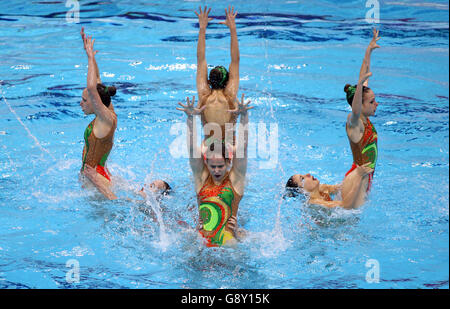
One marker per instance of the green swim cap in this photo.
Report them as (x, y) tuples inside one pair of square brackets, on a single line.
[(224, 74), (351, 91)]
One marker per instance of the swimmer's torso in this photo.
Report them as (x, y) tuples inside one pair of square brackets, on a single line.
[(366, 150), (96, 150), (216, 111), (216, 204)]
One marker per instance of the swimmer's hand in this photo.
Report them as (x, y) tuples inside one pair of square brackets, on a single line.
[(373, 44), (88, 45), (230, 15), (189, 108), (203, 18), (90, 173), (241, 108), (364, 169), (83, 35), (231, 224)]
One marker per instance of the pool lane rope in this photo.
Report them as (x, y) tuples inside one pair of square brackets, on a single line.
[(26, 128)]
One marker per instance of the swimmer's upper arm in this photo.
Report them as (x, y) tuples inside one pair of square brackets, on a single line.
[(202, 80), (101, 111), (352, 120), (354, 131), (202, 67), (330, 189), (233, 81)]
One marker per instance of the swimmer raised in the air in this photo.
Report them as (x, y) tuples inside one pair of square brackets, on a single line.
[(218, 93), (360, 131), (219, 176), (99, 134), (321, 194)]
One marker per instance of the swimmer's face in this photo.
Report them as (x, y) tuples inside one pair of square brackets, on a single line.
[(307, 182), (85, 103), (157, 186), (369, 105), (217, 167)]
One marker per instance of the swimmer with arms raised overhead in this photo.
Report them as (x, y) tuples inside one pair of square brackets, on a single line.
[(321, 194), (99, 134), (361, 133), (218, 93), (219, 176)]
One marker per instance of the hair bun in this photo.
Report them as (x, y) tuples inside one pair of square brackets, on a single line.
[(346, 88), (112, 91)]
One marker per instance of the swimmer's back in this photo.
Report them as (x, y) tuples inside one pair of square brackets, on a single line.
[(217, 106)]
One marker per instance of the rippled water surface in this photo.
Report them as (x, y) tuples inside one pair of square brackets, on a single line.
[(296, 57)]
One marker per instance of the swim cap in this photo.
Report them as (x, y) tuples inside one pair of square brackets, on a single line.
[(351, 92), (218, 77), (224, 74)]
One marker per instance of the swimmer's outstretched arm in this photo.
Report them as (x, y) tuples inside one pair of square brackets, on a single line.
[(100, 110), (364, 74), (239, 169), (195, 159), (233, 82), (202, 67), (365, 68), (353, 119), (331, 189), (97, 72), (349, 200)]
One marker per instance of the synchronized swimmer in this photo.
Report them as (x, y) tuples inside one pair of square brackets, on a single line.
[(220, 166), (363, 143)]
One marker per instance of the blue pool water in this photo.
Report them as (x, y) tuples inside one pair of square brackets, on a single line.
[(296, 57)]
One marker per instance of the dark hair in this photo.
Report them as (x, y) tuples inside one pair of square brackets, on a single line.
[(292, 188), (350, 94), (167, 189), (106, 93), (218, 77)]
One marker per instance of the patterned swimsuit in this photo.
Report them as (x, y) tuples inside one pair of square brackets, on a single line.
[(216, 204), (366, 150)]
